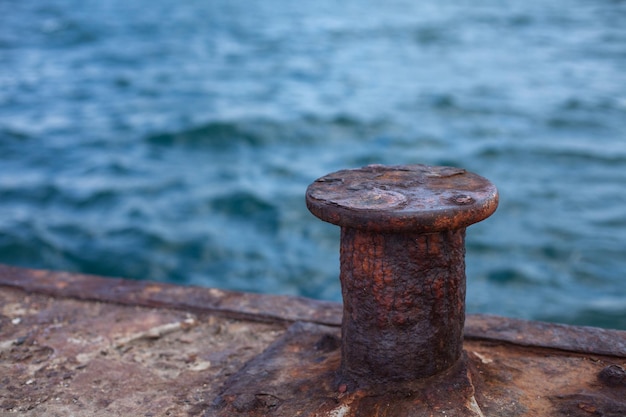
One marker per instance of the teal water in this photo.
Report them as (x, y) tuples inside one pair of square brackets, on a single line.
[(174, 141)]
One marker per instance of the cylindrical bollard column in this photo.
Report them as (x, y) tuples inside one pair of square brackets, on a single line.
[(402, 265)]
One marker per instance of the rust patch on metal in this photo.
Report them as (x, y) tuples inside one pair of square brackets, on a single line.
[(268, 308), (579, 339), (410, 198), (295, 372), (404, 304), (296, 376), (613, 376), (522, 381)]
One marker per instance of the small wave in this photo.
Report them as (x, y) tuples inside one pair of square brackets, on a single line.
[(585, 152), (225, 135), (214, 135), (248, 207), (32, 193), (145, 254), (508, 276), (596, 152), (581, 113), (433, 35), (569, 122), (13, 134), (68, 33)]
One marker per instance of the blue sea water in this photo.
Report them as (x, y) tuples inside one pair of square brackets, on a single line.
[(173, 141)]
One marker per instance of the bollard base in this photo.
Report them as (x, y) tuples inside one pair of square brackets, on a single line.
[(297, 375)]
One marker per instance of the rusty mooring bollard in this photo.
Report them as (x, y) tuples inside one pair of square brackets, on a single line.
[(402, 265)]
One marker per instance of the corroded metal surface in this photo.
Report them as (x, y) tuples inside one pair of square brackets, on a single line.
[(62, 356), (402, 265), (404, 304), (411, 198), (220, 302), (297, 376), (563, 337)]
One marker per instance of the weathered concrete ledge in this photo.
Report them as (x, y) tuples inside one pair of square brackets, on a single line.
[(81, 345)]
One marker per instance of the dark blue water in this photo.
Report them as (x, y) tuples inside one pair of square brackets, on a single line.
[(173, 141)]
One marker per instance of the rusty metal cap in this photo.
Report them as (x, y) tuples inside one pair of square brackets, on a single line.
[(402, 198)]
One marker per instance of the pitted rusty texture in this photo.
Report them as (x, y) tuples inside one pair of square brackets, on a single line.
[(404, 304), (411, 198), (402, 265)]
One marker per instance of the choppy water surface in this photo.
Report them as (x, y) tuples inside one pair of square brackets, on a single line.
[(173, 141)]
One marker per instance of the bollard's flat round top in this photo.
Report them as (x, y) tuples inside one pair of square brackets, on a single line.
[(402, 198)]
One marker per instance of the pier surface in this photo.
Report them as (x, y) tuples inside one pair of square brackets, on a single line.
[(77, 345)]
